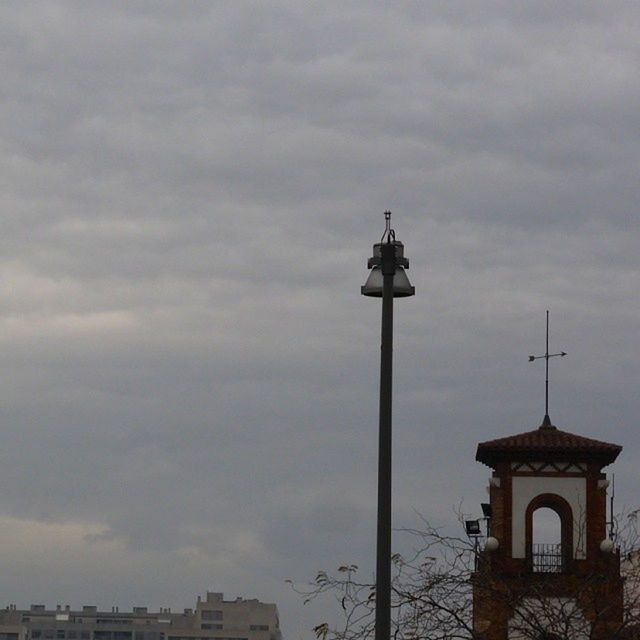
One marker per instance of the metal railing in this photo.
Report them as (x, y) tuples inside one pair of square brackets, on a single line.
[(547, 558)]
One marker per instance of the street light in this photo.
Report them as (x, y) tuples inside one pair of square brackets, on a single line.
[(473, 531), (387, 280)]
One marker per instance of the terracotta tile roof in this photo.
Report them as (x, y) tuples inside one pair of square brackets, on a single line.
[(547, 442)]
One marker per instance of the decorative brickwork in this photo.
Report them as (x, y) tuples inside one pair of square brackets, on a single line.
[(561, 471)]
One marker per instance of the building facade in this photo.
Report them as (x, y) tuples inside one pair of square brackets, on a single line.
[(571, 589), (213, 618)]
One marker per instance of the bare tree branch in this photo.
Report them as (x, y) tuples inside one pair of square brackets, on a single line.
[(433, 590)]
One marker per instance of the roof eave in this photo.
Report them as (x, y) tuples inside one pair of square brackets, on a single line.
[(493, 458)]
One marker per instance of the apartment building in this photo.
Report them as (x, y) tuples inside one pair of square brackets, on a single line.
[(213, 618)]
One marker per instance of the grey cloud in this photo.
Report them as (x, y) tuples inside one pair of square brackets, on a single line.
[(189, 195)]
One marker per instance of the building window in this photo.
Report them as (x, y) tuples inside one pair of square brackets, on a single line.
[(259, 627), (208, 625), (211, 614)]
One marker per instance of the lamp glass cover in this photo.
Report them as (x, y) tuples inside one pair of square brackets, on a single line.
[(402, 288)]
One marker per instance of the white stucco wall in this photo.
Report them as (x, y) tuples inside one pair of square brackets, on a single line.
[(526, 488)]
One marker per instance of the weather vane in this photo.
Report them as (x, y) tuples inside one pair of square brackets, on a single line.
[(547, 356)]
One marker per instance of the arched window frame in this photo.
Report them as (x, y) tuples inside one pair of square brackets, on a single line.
[(563, 509)]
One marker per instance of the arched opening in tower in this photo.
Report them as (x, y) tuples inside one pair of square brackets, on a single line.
[(550, 549), (546, 544)]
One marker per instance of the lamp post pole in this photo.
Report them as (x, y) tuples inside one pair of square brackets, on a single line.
[(388, 264), (383, 551)]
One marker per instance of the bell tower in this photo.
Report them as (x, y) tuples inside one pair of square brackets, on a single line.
[(571, 589)]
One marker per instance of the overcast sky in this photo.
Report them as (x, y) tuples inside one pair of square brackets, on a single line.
[(190, 192)]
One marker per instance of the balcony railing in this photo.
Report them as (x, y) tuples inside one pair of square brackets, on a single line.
[(547, 558)]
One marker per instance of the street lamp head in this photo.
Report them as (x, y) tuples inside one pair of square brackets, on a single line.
[(402, 288), (472, 527)]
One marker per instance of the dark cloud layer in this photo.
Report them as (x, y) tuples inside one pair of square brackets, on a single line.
[(190, 191)]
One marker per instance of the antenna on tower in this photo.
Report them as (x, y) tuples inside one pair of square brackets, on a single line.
[(613, 495), (547, 356)]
